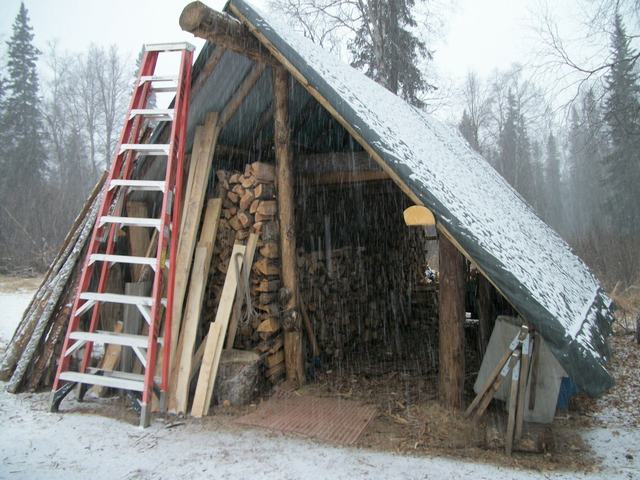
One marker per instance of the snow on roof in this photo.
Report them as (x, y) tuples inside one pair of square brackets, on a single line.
[(529, 263)]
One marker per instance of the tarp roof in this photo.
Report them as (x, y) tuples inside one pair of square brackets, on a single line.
[(475, 207)]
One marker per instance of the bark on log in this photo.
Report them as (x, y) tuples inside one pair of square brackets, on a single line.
[(284, 184), (58, 288), (223, 30), (28, 322), (451, 325)]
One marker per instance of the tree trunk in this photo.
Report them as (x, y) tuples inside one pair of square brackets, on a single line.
[(284, 185), (451, 325)]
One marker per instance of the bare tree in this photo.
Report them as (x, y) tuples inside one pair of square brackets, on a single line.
[(112, 76), (477, 104), (578, 63)]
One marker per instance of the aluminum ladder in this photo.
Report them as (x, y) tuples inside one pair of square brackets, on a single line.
[(83, 332)]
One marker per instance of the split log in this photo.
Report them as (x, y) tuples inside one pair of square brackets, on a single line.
[(263, 172), (265, 191)]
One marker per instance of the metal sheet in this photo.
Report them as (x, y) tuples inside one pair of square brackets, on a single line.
[(329, 419)]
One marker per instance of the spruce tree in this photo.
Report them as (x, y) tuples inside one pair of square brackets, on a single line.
[(515, 163), (553, 206), (622, 113), (387, 49), (24, 157), (23, 187), (469, 132)]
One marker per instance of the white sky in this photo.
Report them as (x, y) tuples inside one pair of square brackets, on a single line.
[(480, 35)]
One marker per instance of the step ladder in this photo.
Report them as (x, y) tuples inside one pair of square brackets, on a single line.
[(83, 330)]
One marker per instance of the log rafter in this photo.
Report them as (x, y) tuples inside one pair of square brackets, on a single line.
[(224, 31)]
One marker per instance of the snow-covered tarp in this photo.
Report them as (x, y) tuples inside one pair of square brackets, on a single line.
[(529, 263)]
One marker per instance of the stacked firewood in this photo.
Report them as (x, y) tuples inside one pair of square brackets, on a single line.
[(249, 206), (358, 297), (31, 357)]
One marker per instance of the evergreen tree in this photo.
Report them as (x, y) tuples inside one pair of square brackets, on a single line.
[(551, 192), (388, 51), (586, 153), (469, 132), (23, 155), (514, 161), (22, 183), (622, 113)]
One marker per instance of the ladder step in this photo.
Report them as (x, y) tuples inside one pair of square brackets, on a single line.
[(165, 88), (146, 185), (168, 47), (146, 148), (113, 380), (101, 257), (158, 78), (113, 338), (162, 114), (132, 221), (118, 298)]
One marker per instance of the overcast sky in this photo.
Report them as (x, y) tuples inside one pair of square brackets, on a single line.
[(479, 35), (474, 36)]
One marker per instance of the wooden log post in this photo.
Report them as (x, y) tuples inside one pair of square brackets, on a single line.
[(486, 299), (451, 313), (294, 363)]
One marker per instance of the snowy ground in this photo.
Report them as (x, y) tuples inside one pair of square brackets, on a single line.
[(35, 444)]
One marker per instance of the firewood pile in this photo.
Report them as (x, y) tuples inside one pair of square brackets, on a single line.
[(362, 272), (30, 359), (350, 304), (249, 205)]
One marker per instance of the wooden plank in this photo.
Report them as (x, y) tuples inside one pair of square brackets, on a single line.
[(197, 287), (285, 192), (346, 176), (522, 386), (252, 242), (513, 402), (179, 381), (211, 221), (197, 358), (138, 236), (241, 93), (451, 314), (109, 361), (497, 369), (486, 400), (199, 405), (215, 339), (133, 322), (201, 160)]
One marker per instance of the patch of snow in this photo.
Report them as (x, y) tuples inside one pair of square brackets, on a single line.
[(12, 306), (36, 444)]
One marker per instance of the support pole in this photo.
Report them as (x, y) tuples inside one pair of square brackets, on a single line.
[(294, 363), (451, 325)]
